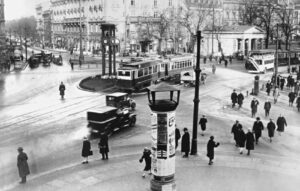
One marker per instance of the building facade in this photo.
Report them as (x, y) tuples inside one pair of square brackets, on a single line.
[(2, 23), (44, 25)]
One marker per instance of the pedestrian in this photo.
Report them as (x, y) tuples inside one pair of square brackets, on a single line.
[(147, 157), (211, 149), (22, 165), (62, 89), (72, 64), (240, 99), (103, 146), (292, 97), (297, 87), (271, 129), (289, 81), (268, 87), (276, 94), (249, 141), (202, 123), (234, 131), (177, 137), (254, 104), (298, 103), (241, 138), (185, 143), (203, 78), (281, 123), (226, 63), (234, 98), (86, 150), (213, 68), (230, 59), (267, 107), (282, 82), (257, 129), (204, 60)]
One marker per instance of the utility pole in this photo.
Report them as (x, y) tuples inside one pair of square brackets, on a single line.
[(80, 36), (276, 53), (212, 31), (196, 99)]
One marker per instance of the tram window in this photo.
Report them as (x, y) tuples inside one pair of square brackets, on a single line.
[(150, 70), (124, 73), (146, 71), (140, 72)]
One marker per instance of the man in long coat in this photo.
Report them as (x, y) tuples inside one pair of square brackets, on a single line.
[(257, 129), (267, 107), (271, 128), (241, 139), (254, 104), (281, 123), (240, 99), (292, 97), (268, 87), (249, 141), (234, 98), (22, 165), (177, 137), (298, 103), (86, 150), (202, 123), (185, 143), (211, 149), (62, 89), (234, 131), (103, 146)]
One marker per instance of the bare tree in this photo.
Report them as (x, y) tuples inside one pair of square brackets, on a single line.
[(22, 27), (248, 12)]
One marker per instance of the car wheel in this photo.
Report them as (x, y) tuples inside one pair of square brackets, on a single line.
[(132, 122)]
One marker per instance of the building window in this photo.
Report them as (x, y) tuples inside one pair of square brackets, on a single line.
[(155, 3), (132, 2), (170, 2)]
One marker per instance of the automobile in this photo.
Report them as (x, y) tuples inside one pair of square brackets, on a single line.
[(57, 59), (34, 60), (46, 59), (109, 119), (120, 100), (18, 54)]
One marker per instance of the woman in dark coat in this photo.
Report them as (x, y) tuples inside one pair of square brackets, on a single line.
[(177, 137), (234, 131), (62, 89), (147, 157), (22, 165), (211, 149), (281, 122), (240, 99), (103, 146), (271, 128), (86, 150), (241, 138), (249, 141), (267, 107), (298, 103), (292, 97), (185, 143), (202, 123)]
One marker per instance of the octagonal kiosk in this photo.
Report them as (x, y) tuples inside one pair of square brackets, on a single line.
[(163, 101)]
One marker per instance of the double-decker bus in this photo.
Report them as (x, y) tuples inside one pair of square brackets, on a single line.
[(139, 75), (259, 61)]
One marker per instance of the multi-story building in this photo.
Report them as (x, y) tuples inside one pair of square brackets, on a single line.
[(2, 22), (43, 19)]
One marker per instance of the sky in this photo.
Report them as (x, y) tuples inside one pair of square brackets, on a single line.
[(15, 9)]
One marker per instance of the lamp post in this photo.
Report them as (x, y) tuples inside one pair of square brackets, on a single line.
[(80, 36), (276, 53), (163, 101), (196, 99)]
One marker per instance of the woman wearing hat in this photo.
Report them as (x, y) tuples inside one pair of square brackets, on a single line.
[(22, 165), (249, 141), (211, 149), (86, 150), (147, 157)]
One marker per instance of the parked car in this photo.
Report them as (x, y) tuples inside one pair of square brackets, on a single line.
[(120, 100), (46, 59), (109, 119), (57, 59)]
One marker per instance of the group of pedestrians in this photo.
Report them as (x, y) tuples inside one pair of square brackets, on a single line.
[(237, 99), (241, 139)]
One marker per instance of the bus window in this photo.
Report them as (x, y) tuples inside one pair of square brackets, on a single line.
[(146, 71), (269, 61), (140, 72), (150, 70), (259, 62)]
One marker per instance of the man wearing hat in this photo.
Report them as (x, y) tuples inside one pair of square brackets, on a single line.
[(22, 165), (202, 124), (185, 143), (271, 129), (211, 149), (234, 98), (257, 129)]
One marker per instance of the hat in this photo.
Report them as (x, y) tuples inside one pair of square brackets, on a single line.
[(20, 149), (203, 115), (257, 118), (185, 129), (212, 137), (85, 138), (146, 149)]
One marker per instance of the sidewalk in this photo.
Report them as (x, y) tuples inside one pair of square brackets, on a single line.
[(230, 171)]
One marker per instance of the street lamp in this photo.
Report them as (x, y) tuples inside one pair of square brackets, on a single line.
[(81, 58), (163, 101)]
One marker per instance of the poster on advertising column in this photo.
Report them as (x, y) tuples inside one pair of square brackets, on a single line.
[(162, 135), (154, 142)]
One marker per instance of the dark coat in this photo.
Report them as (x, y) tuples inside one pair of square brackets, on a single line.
[(62, 89), (254, 104), (211, 148), (249, 141), (267, 106), (177, 136), (234, 97), (23, 165), (86, 147), (268, 87), (292, 97), (257, 128), (240, 98), (280, 124), (241, 138), (185, 142), (271, 128), (235, 129), (298, 102), (202, 123), (103, 144), (147, 157)]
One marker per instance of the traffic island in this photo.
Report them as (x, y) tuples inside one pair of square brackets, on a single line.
[(97, 83)]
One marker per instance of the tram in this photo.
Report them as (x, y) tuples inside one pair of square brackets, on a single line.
[(141, 74)]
